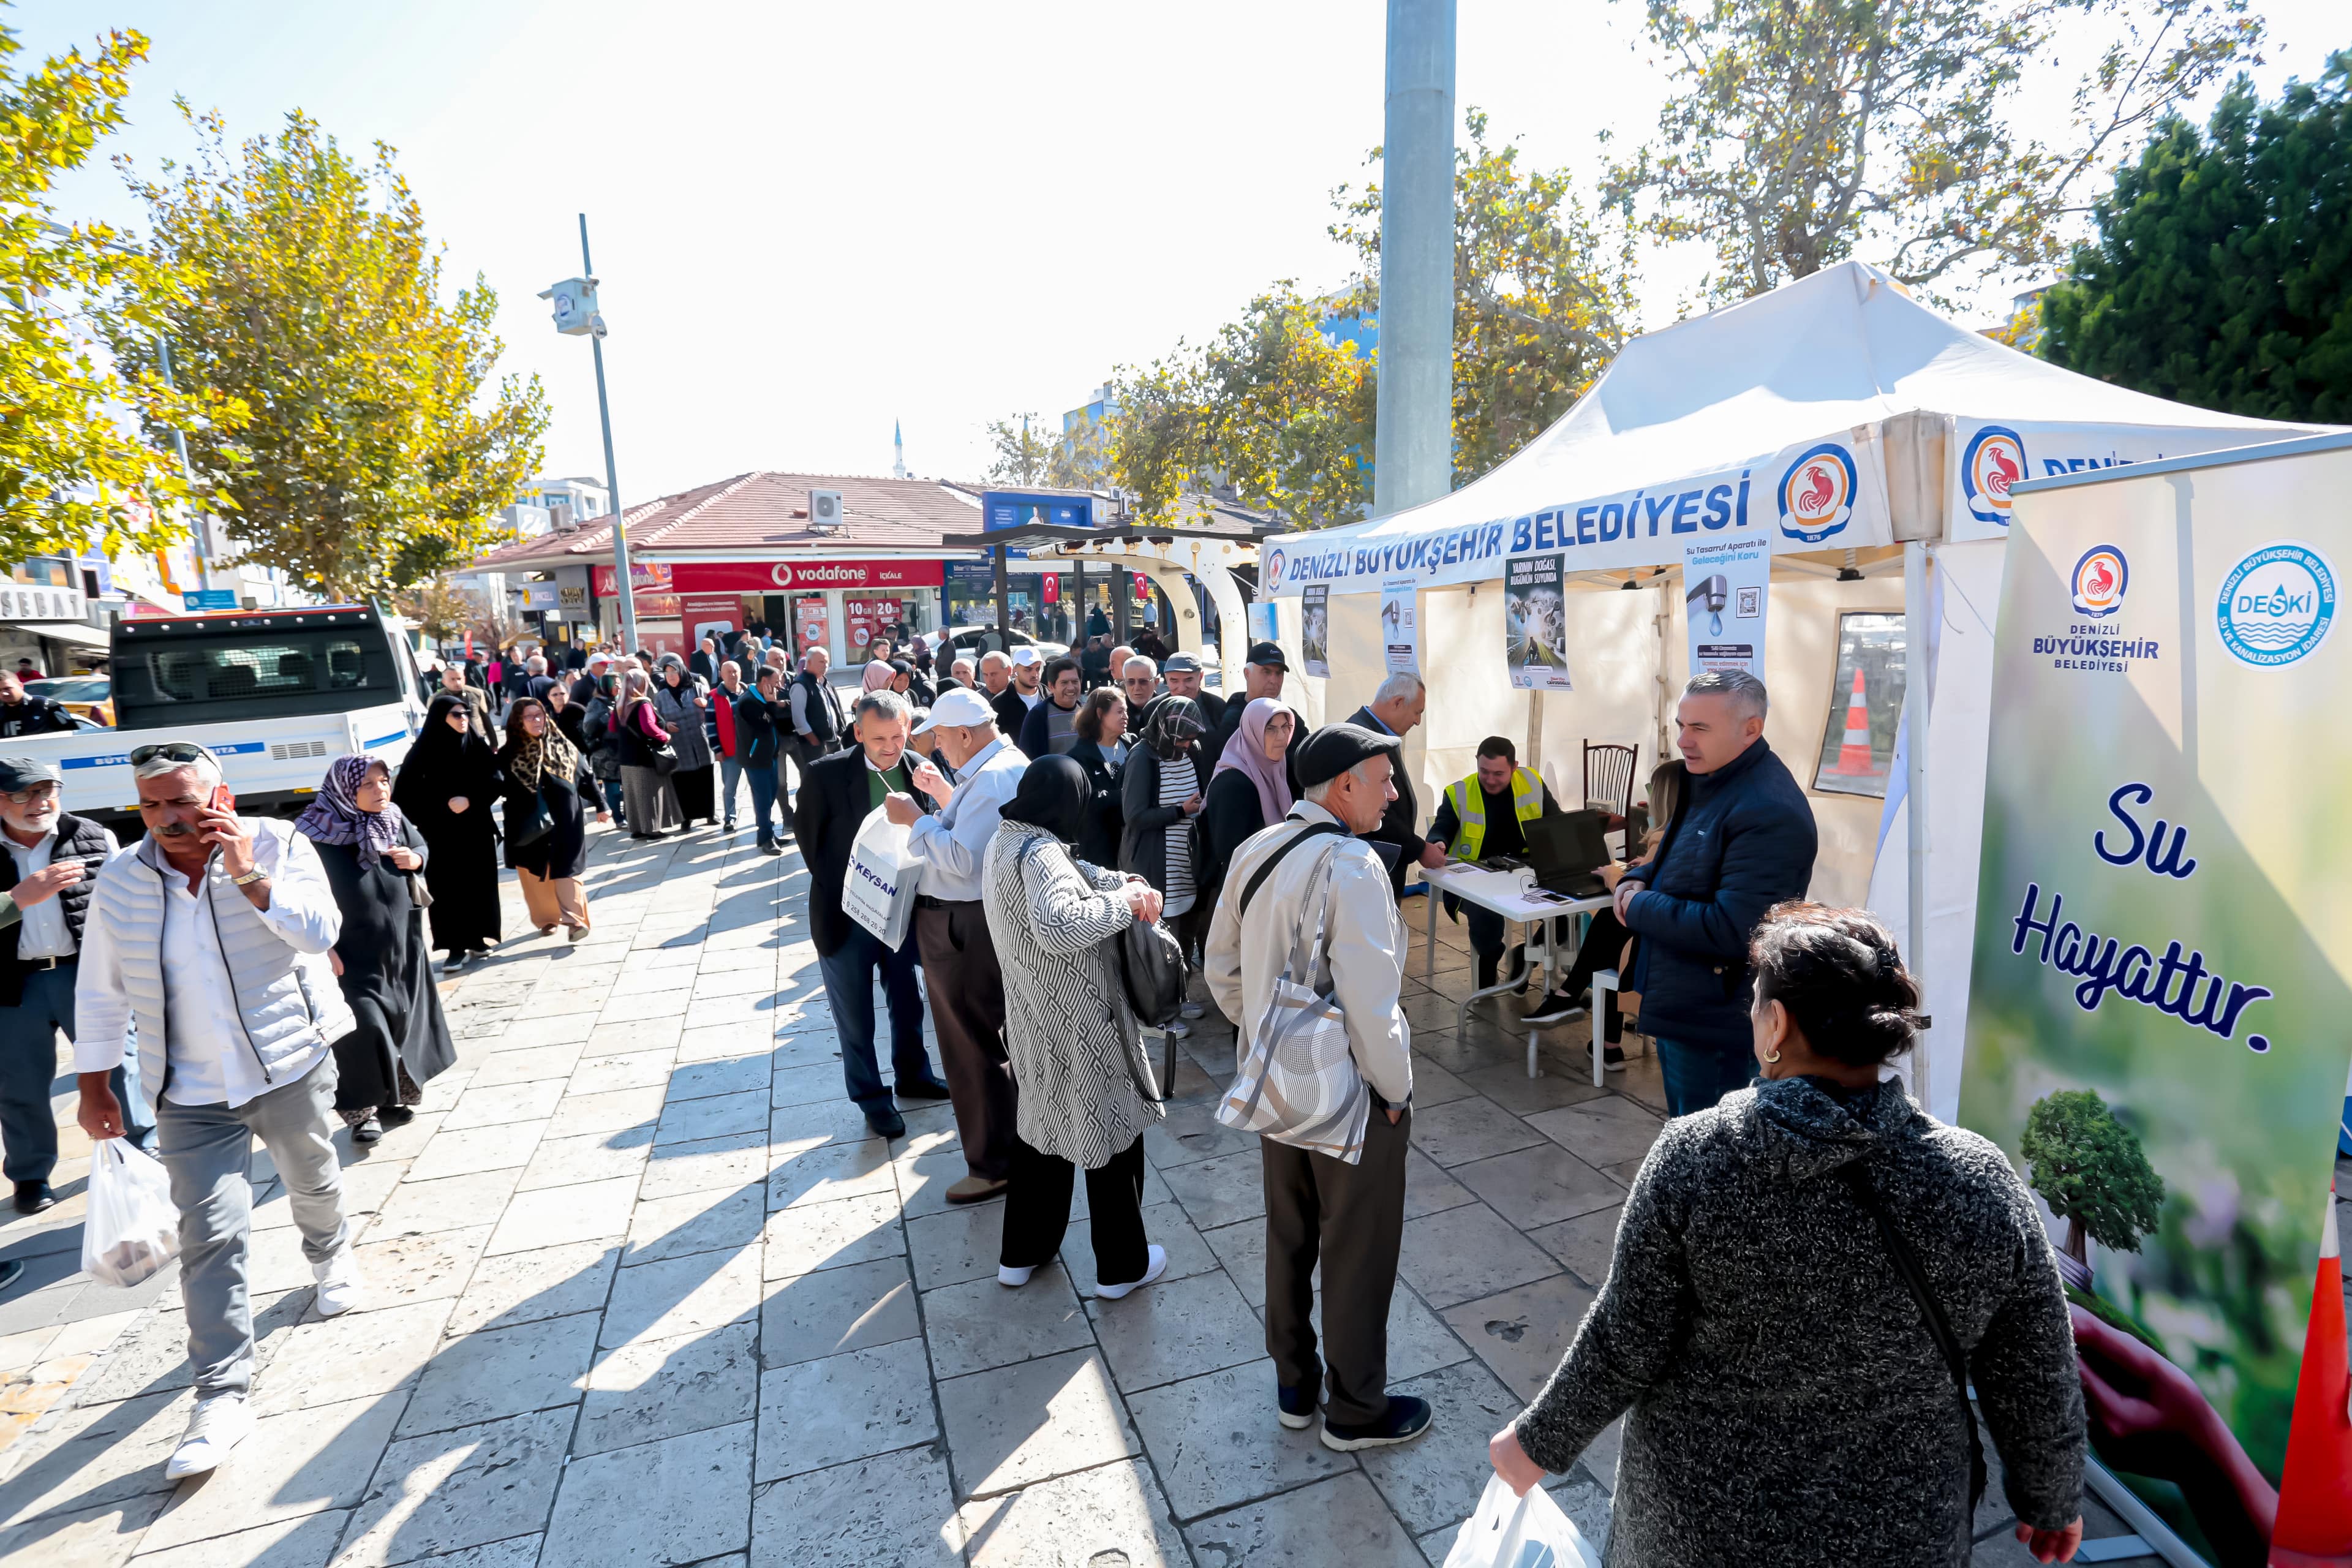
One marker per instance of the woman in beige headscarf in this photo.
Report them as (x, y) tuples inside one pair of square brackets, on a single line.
[(647, 802), (549, 794)]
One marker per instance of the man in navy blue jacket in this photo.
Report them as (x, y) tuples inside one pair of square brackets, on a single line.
[(1743, 841)]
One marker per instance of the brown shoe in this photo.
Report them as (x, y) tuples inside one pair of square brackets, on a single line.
[(973, 1189)]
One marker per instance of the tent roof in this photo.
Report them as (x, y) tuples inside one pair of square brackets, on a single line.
[(1811, 360)]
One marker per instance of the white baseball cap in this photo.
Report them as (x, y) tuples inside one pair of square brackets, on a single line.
[(1028, 656), (958, 706)]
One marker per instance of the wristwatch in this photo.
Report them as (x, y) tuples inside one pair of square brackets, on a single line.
[(250, 877)]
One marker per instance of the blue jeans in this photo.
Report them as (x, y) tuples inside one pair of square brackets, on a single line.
[(29, 1068), (849, 987), (1698, 1075), (613, 800), (762, 780), (731, 772)]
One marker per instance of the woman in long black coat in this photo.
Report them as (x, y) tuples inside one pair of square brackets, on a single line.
[(549, 795), (400, 1039), (447, 788)]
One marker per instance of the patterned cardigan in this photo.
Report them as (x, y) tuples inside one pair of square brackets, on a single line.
[(1086, 1090)]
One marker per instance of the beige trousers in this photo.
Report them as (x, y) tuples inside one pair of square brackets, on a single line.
[(553, 900)]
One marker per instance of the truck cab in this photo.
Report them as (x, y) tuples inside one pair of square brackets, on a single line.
[(275, 694)]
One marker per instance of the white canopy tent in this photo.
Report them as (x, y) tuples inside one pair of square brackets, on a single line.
[(1868, 438)]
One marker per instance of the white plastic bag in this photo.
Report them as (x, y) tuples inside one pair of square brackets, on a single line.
[(879, 893), (132, 1229), (1520, 1532)]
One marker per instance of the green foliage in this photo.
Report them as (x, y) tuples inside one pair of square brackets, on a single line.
[(303, 282), (1026, 452), (2222, 271), (1284, 416), (2089, 1168), (74, 476), (1804, 132)]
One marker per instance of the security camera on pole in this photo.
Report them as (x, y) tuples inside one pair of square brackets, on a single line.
[(575, 301)]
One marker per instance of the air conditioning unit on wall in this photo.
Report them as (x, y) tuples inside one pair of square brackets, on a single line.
[(824, 511)]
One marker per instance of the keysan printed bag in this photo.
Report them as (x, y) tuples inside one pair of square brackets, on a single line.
[(1296, 1080), (884, 876)]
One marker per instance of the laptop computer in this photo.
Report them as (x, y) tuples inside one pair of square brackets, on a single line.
[(1566, 852)]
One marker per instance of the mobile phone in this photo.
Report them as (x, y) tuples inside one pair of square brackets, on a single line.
[(221, 799)]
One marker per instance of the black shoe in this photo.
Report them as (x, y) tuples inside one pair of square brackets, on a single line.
[(1406, 1419), (887, 1122), (367, 1131), (772, 847), (1294, 1407), (1612, 1058), (32, 1197), (922, 1088), (1490, 972), (395, 1115), (1552, 1007)]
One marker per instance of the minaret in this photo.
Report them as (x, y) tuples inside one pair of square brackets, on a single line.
[(898, 450)]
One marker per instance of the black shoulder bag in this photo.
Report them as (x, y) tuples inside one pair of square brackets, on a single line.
[(1906, 1264)]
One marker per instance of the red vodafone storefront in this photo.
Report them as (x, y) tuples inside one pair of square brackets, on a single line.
[(840, 605)]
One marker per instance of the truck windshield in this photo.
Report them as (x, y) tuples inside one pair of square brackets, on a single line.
[(266, 674)]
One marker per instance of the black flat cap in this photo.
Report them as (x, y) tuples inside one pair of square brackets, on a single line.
[(1334, 748)]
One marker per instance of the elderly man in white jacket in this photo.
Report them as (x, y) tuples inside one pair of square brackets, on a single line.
[(1350, 1217), (212, 938)]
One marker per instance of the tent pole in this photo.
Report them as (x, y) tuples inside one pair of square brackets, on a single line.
[(1914, 787)]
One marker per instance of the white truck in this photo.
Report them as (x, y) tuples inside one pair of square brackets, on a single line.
[(275, 694)]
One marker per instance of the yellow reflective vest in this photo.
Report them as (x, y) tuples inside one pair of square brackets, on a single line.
[(1469, 802)]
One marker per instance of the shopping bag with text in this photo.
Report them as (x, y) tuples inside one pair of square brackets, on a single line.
[(884, 875)]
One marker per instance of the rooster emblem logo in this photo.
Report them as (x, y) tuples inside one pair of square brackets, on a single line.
[(1817, 493), (1995, 460), (2100, 577)]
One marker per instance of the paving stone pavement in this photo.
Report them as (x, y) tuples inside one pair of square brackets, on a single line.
[(643, 1291)]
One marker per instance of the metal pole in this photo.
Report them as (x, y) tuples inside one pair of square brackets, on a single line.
[(187, 471), (1003, 601), (621, 584), (1413, 447), (1914, 787)]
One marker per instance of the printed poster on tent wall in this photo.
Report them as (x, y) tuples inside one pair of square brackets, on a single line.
[(1398, 634), (1535, 624), (1315, 630), (1724, 583), (2156, 1019)]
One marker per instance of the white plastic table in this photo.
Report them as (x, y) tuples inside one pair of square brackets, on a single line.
[(1499, 892)]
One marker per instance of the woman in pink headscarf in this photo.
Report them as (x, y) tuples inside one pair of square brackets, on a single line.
[(878, 675), (1250, 791)]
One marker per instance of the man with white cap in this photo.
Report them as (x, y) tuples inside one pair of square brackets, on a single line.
[(213, 937), (959, 970), (1012, 703)]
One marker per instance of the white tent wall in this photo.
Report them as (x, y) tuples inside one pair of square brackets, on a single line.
[(1612, 657)]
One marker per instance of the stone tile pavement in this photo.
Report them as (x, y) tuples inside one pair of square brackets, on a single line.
[(644, 1292)]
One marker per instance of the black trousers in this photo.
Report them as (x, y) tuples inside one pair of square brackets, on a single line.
[(1038, 1211), (1352, 1218)]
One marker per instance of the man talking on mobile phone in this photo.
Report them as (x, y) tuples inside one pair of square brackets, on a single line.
[(211, 936)]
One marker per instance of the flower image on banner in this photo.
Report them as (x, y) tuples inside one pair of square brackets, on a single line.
[(1398, 634), (2156, 1025), (1725, 586), (1315, 630), (1535, 624)]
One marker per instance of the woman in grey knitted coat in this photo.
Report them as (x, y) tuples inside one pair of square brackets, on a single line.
[(1789, 1401)]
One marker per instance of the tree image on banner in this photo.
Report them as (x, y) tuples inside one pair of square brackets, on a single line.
[(2089, 1168)]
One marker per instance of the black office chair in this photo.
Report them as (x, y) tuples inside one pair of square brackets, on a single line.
[(1609, 778)]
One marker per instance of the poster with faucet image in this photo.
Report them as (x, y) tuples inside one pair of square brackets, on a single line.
[(1725, 600)]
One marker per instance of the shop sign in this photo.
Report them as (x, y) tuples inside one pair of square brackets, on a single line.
[(643, 575), (769, 576), (38, 602)]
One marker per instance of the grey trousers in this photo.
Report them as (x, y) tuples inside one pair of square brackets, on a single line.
[(1352, 1218), (206, 1151)]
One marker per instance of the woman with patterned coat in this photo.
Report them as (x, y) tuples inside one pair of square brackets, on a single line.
[(1086, 1086)]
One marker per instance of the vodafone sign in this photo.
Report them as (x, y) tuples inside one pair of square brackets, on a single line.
[(773, 576)]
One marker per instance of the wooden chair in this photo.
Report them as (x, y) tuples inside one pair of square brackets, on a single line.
[(1609, 779)]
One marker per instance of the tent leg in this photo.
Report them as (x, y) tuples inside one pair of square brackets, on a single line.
[(1914, 783)]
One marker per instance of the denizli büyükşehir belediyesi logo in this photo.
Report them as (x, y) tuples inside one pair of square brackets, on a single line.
[(2276, 604), (1995, 460), (1817, 493), (1273, 570), (2099, 580)]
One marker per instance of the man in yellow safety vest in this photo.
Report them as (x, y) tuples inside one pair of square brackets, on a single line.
[(1482, 816)]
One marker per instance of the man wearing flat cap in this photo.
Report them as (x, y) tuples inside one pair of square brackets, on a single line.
[(1285, 880), (53, 858)]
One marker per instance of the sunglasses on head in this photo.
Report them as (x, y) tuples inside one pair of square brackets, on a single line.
[(170, 751)]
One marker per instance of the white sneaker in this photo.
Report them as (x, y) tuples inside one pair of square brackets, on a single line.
[(220, 1424), (1193, 1010), (1157, 1267), (1014, 1278), (339, 1283)]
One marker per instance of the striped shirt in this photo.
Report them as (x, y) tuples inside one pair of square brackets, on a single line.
[(1180, 781)]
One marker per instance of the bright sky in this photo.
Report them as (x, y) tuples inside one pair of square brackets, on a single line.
[(812, 220)]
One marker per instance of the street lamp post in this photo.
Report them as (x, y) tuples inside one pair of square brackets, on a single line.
[(577, 315)]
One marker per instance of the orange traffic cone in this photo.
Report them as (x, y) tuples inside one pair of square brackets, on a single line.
[(2315, 1513), (1853, 752)]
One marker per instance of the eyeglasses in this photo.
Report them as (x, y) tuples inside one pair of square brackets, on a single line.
[(26, 796), (170, 751)]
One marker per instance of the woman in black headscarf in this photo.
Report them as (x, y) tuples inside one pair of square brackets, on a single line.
[(1160, 792), (446, 787), (1086, 1089), (399, 1038), (549, 794)]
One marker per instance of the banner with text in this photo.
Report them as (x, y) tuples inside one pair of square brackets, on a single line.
[(1535, 624), (1315, 630), (2156, 1021), (1398, 634), (1724, 584)]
